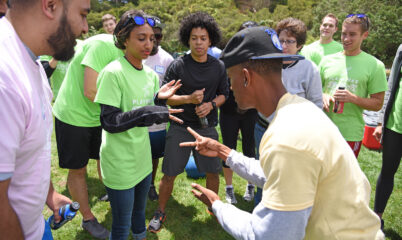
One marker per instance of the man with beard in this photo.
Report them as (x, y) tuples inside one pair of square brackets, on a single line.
[(26, 115), (159, 60), (77, 121)]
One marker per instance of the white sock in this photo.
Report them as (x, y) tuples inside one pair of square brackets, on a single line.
[(229, 186)]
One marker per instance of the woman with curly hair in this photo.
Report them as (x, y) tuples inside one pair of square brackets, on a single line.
[(204, 89), (126, 88)]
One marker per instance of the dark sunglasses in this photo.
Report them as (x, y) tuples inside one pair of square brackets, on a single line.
[(140, 21), (158, 36), (359, 15)]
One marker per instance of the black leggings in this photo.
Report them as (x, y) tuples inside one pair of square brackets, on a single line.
[(230, 126), (391, 158)]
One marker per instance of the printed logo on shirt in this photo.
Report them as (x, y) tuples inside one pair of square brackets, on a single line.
[(159, 69)]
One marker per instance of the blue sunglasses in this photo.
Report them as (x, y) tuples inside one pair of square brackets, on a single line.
[(359, 15), (140, 21)]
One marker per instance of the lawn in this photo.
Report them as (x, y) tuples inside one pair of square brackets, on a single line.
[(187, 217)]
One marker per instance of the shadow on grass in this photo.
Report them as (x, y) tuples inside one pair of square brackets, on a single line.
[(391, 234), (96, 189)]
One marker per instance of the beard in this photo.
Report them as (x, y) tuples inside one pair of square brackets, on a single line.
[(63, 40)]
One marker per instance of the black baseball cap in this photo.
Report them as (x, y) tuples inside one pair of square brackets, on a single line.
[(254, 43)]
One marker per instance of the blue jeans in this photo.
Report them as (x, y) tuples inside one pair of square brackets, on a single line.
[(128, 210), (258, 133)]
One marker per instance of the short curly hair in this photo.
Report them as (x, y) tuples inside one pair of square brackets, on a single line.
[(123, 30), (295, 28), (202, 20)]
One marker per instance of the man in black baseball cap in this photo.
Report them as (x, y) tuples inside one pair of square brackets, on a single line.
[(312, 185)]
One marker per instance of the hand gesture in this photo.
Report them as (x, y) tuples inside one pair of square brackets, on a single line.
[(205, 146), (326, 101), (169, 89), (172, 117), (208, 197), (197, 96), (204, 109), (377, 133)]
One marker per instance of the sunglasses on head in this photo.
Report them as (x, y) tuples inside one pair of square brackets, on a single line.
[(158, 36), (359, 15), (138, 20)]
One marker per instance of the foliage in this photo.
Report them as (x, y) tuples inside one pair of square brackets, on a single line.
[(384, 38)]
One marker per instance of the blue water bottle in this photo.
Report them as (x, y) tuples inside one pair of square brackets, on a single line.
[(67, 212)]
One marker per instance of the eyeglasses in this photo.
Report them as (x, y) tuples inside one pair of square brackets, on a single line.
[(288, 42), (158, 36), (140, 20), (359, 15)]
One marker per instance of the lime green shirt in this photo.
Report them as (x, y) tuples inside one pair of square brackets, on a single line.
[(71, 106), (126, 157), (316, 51), (362, 75), (395, 117)]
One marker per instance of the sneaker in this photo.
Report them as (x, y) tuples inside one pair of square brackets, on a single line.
[(230, 197), (249, 194), (156, 222), (95, 229), (152, 195), (104, 198)]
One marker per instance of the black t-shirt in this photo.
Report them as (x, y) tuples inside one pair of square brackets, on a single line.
[(210, 75), (230, 106)]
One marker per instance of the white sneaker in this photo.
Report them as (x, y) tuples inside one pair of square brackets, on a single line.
[(230, 197), (249, 194)]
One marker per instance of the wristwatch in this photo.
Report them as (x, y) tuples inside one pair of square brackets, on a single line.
[(213, 105)]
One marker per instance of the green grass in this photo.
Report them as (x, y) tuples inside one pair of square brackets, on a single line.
[(187, 217)]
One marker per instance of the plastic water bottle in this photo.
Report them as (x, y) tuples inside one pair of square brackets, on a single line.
[(67, 212), (203, 120)]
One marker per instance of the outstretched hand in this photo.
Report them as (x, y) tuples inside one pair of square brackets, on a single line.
[(208, 197), (169, 89), (204, 145)]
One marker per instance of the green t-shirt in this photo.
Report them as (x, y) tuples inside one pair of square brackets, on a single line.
[(71, 106), (126, 157), (58, 74), (316, 51), (395, 117), (362, 75)]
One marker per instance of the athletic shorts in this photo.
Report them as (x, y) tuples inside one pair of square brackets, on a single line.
[(176, 157), (76, 145), (355, 146), (158, 140)]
